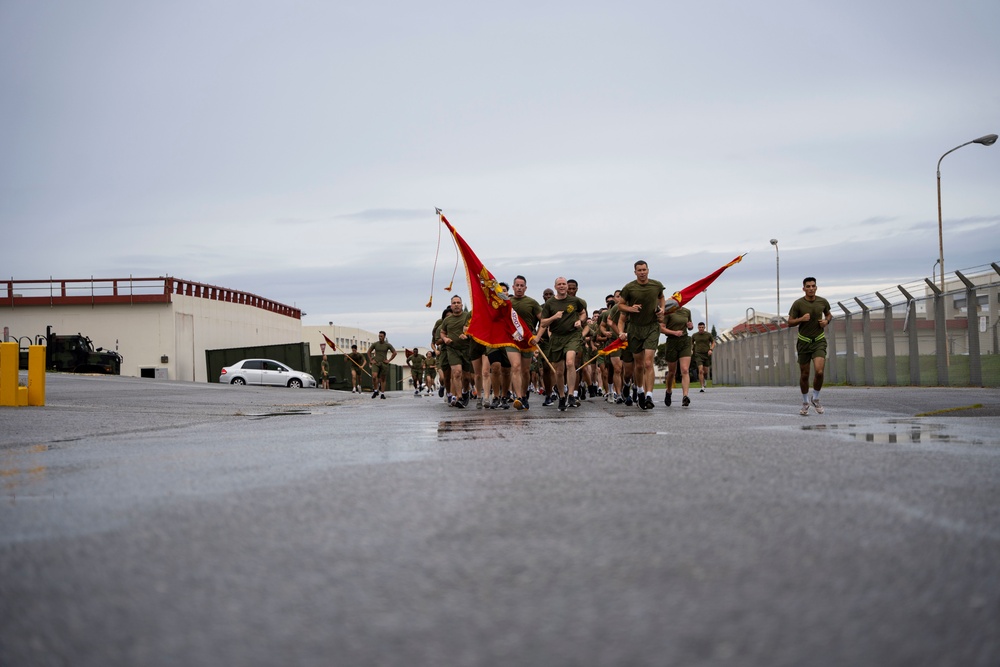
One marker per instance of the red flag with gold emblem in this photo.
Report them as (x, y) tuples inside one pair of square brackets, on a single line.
[(696, 288), (494, 322), (333, 346)]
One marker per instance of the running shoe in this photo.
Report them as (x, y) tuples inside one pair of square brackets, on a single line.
[(518, 405), (441, 391), (375, 394), (416, 393), (628, 399), (562, 404), (574, 402), (805, 410), (686, 401), (649, 402), (548, 401), (666, 399), (815, 404), (495, 403), (701, 391)]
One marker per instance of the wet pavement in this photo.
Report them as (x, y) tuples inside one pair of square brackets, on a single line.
[(162, 523)]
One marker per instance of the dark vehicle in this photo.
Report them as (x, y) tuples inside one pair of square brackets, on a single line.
[(75, 353)]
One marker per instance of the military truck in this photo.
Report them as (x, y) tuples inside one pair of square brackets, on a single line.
[(75, 353)]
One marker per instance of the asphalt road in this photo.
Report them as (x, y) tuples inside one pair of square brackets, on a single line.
[(166, 523)]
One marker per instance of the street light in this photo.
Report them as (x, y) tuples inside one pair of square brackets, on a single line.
[(987, 140), (777, 272)]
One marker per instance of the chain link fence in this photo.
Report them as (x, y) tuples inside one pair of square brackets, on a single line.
[(915, 334)]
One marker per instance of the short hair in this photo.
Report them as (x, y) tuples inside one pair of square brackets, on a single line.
[(610, 296), (521, 278), (382, 333), (701, 324), (638, 262), (445, 312), (354, 347), (805, 280), (504, 285), (572, 281)]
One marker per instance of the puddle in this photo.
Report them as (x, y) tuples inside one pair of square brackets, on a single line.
[(283, 413), (901, 431), (480, 428)]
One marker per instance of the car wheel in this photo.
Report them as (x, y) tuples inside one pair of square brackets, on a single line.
[(238, 381), (295, 383)]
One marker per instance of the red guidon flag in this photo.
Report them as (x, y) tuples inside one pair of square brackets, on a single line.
[(696, 288), (614, 345), (333, 346), (494, 322)]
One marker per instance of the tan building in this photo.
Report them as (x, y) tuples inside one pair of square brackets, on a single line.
[(161, 326)]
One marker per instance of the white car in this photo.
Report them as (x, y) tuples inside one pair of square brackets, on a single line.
[(265, 372)]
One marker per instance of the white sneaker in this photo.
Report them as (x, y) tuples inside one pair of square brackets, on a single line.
[(815, 404), (805, 409)]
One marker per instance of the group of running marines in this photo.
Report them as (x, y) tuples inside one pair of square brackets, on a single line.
[(568, 368)]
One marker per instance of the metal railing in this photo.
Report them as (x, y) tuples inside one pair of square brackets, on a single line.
[(914, 334)]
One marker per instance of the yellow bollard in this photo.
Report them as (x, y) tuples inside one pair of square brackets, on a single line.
[(36, 375), (8, 373)]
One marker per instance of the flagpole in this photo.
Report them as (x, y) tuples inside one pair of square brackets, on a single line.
[(590, 360), (545, 358), (360, 367)]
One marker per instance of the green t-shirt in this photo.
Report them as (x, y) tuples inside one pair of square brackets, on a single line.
[(678, 321), (648, 295), (816, 308), (528, 309), (702, 342), (416, 362), (381, 350), (358, 359), (571, 307), (454, 325)]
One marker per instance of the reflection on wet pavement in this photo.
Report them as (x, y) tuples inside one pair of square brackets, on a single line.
[(904, 431)]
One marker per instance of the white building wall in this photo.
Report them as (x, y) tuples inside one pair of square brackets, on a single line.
[(144, 333)]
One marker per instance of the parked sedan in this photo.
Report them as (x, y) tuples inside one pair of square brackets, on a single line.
[(265, 372)]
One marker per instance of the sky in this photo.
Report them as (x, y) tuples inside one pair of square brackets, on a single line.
[(297, 150)]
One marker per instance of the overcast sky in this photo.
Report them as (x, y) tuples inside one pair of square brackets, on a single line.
[(296, 150)]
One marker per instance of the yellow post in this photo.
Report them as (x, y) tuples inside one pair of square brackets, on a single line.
[(8, 373), (36, 375)]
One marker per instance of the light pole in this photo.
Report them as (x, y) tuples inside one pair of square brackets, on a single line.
[(987, 140), (777, 272)]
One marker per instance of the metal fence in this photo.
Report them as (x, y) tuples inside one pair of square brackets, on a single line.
[(915, 334)]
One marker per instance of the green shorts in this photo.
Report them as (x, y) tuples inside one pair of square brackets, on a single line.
[(457, 354), (702, 360), (559, 345), (810, 349), (678, 347), (643, 337), (379, 368)]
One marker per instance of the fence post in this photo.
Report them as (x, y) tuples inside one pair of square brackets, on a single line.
[(889, 332), (972, 322), (910, 328), (866, 342), (849, 335), (940, 335)]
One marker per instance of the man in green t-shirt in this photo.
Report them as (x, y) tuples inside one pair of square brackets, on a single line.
[(811, 314), (456, 352), (378, 354), (676, 325), (702, 345), (642, 301), (520, 362), (416, 363), (563, 316), (358, 362)]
